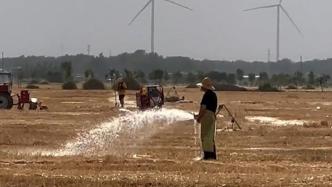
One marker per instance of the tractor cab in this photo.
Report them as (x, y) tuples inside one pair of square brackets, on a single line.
[(151, 96), (5, 82), (6, 100)]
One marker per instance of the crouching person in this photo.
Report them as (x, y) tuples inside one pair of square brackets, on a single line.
[(207, 119)]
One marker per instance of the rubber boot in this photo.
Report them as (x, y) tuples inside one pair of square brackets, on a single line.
[(214, 153), (206, 155), (210, 155), (213, 156)]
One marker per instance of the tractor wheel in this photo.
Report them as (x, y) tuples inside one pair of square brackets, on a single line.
[(6, 101)]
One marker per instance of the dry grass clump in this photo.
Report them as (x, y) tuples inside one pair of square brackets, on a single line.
[(69, 85), (32, 86), (93, 84), (292, 96), (322, 124)]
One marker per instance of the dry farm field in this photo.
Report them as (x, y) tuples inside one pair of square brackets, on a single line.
[(83, 140)]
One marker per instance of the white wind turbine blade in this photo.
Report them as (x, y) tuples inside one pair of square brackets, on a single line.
[(261, 7), (178, 4), (291, 20), (145, 6)]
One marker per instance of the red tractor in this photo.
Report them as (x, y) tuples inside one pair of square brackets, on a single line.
[(6, 98)]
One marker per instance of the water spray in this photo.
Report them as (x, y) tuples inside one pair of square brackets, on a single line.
[(104, 138), (197, 136)]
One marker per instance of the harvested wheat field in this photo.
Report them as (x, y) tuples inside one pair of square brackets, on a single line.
[(83, 140)]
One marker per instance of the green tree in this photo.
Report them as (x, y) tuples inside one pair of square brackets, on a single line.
[(166, 76), (200, 75), (130, 80), (252, 78), (217, 76), (191, 78), (323, 80), (231, 79), (112, 74), (263, 77), (298, 78), (89, 74), (311, 78), (177, 77), (54, 76), (140, 76), (156, 75), (281, 79), (67, 69), (239, 74)]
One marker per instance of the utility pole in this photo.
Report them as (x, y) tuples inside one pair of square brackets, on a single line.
[(269, 61), (89, 49), (62, 50), (152, 26), (301, 64), (3, 61)]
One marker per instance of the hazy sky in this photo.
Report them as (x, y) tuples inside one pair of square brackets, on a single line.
[(216, 29)]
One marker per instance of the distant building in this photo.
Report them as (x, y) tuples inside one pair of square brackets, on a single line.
[(247, 76)]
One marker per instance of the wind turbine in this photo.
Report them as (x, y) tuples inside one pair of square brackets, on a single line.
[(279, 9), (152, 2)]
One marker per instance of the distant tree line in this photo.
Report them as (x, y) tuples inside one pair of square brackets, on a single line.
[(239, 77), (147, 67)]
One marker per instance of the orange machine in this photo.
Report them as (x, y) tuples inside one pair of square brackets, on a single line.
[(151, 96)]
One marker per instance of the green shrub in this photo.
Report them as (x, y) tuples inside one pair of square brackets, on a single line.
[(34, 82), (43, 82), (32, 86), (70, 85), (132, 84), (229, 87), (291, 87), (308, 87), (93, 84), (267, 87), (54, 77)]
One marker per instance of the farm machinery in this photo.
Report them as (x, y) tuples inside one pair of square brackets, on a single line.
[(7, 99), (150, 96)]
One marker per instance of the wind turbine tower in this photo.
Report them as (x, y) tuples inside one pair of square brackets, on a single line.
[(152, 3), (279, 9)]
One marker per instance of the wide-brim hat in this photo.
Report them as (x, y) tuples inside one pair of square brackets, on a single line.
[(206, 83)]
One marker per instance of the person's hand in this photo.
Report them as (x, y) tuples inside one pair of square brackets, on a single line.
[(197, 118), (221, 107)]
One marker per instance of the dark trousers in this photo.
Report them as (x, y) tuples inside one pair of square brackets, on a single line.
[(121, 98)]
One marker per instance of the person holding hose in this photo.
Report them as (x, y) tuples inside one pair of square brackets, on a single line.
[(207, 119)]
